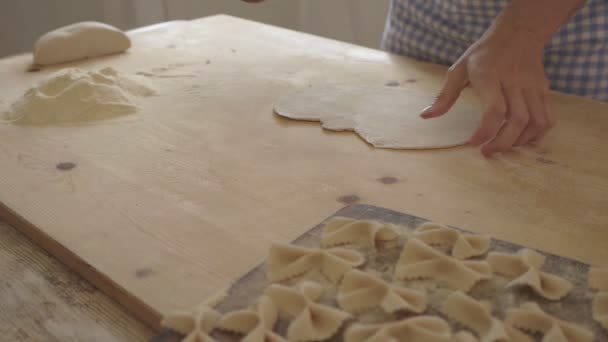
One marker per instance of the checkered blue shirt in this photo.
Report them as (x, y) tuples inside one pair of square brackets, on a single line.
[(576, 58)]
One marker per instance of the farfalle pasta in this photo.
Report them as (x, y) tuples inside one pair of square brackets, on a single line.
[(345, 231), (600, 309), (464, 336), (516, 335), (311, 321), (462, 246), (195, 325), (420, 261), (530, 317), (256, 324), (416, 329), (392, 296), (477, 316), (513, 265), (361, 291), (524, 267), (286, 262), (598, 280)]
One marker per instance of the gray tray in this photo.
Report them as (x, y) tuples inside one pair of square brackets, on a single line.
[(576, 307)]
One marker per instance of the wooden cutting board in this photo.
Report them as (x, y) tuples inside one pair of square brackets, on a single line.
[(575, 307), (166, 206)]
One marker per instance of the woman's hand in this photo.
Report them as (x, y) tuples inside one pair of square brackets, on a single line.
[(505, 69)]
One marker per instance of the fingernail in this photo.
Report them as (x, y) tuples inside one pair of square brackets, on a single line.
[(426, 112)]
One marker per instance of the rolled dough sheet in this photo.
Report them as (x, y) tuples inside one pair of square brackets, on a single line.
[(384, 117)]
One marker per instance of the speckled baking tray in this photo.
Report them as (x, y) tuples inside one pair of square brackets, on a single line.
[(576, 307)]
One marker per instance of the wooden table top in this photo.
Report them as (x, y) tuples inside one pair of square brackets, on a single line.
[(167, 206), (42, 300)]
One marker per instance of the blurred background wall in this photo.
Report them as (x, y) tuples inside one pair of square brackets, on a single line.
[(356, 21)]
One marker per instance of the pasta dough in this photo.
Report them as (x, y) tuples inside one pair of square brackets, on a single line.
[(463, 246), (286, 262), (525, 267), (257, 324), (530, 317), (196, 325), (420, 261), (344, 231), (79, 41), (382, 116), (600, 309), (416, 329), (361, 291), (312, 321)]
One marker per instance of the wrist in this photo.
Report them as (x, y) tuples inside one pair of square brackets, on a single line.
[(510, 31), (537, 19), (509, 25), (517, 36)]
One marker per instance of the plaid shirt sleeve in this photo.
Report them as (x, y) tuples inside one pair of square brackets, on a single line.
[(440, 31)]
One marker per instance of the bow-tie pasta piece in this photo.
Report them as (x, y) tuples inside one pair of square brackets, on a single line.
[(464, 336), (530, 317), (513, 265), (525, 266), (462, 246), (416, 329), (420, 261), (286, 262), (598, 278), (477, 317), (311, 321), (546, 285), (600, 309), (360, 291), (342, 231), (514, 335), (195, 325), (256, 324)]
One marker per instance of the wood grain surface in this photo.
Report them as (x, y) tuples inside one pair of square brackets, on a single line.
[(42, 300), (168, 205)]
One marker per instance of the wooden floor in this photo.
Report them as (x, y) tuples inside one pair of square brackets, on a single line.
[(41, 300)]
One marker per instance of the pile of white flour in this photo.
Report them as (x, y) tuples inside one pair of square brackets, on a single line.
[(76, 96)]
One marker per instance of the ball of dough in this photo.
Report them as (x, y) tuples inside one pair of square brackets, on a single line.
[(79, 41)]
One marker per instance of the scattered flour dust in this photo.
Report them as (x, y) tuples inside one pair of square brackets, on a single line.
[(75, 96)]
